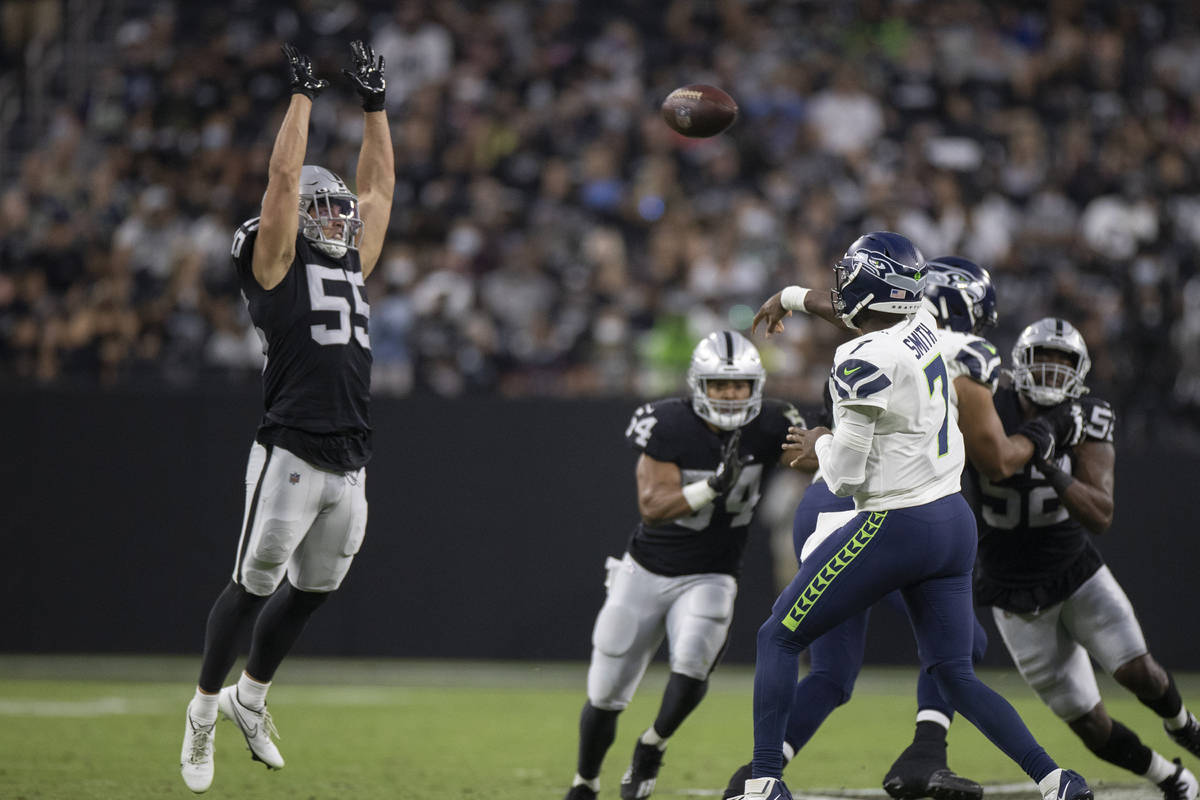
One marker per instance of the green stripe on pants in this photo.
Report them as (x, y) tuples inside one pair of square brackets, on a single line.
[(833, 567)]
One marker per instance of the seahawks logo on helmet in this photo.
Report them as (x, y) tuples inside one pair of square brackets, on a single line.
[(726, 356), (960, 295), (328, 212), (1047, 382), (881, 271)]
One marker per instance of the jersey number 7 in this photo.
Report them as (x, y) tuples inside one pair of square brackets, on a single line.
[(935, 372)]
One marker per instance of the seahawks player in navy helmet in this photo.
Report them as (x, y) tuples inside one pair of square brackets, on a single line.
[(896, 449), (302, 265), (959, 295), (699, 477), (1056, 604)]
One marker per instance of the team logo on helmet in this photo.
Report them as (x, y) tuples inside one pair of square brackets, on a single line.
[(728, 356), (1044, 381)]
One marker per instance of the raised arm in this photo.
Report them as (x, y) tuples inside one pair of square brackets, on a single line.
[(275, 246), (376, 176), (794, 298), (991, 451)]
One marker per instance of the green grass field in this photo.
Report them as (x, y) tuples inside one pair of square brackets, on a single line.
[(111, 727)]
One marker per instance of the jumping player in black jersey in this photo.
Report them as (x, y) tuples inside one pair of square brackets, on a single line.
[(698, 477), (1053, 598), (302, 275)]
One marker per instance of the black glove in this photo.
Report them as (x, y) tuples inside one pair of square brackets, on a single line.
[(1039, 431), (1066, 419), (730, 467), (303, 80), (367, 76)]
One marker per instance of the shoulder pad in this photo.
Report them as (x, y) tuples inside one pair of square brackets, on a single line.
[(652, 423), (245, 233), (980, 360), (856, 378), (1099, 419), (782, 413)]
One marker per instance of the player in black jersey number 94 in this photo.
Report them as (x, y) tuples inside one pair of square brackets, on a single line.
[(302, 264), (699, 477)]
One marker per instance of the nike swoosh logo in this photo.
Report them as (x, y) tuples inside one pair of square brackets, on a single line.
[(250, 731), (851, 371)]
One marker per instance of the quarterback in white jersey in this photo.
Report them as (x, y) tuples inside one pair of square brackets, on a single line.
[(897, 450), (895, 383)]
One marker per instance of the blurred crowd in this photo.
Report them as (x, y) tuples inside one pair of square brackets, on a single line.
[(552, 236)]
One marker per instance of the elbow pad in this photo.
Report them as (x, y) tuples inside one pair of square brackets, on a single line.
[(843, 457)]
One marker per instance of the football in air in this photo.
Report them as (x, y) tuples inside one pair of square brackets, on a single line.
[(699, 110)]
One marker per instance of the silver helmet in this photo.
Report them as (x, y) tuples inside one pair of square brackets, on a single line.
[(726, 356), (1044, 382), (324, 201)]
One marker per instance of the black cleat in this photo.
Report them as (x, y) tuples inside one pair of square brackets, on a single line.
[(638, 781), (737, 782), (946, 785), (580, 792), (913, 776), (1187, 737)]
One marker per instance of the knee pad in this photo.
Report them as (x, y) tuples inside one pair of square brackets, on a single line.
[(615, 630)]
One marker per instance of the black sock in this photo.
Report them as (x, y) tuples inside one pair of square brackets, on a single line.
[(930, 732), (1126, 750), (597, 730), (681, 697), (278, 627), (228, 618), (1169, 704)]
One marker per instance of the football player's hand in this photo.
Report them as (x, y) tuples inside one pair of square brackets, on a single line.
[(771, 313), (1066, 419), (367, 76), (1039, 431), (801, 444), (730, 468), (301, 73)]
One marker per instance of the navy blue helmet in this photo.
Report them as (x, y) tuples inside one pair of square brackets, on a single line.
[(960, 295), (882, 271)]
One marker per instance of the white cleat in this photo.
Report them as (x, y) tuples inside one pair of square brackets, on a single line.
[(256, 726), (1180, 786), (196, 759), (766, 789)]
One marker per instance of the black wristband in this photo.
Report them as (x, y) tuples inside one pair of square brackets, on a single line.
[(373, 103), (1059, 479), (309, 93)]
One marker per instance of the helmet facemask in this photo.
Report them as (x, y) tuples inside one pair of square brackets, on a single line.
[(331, 222), (726, 356), (1047, 382)]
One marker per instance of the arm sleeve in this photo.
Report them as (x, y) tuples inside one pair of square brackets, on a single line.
[(843, 456)]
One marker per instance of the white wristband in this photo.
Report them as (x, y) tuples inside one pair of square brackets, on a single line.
[(699, 494), (793, 298)]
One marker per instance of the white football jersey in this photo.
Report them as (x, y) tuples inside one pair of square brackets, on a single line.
[(917, 452), (970, 355)]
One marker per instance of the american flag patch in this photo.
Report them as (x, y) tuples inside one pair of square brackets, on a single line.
[(897, 293)]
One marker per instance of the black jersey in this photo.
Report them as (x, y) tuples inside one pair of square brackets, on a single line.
[(317, 379), (1032, 553), (713, 538)]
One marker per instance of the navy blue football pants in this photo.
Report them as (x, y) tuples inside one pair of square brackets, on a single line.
[(836, 657), (927, 552)]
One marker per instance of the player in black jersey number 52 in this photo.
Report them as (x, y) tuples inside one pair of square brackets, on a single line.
[(1053, 598), (302, 265), (699, 478)]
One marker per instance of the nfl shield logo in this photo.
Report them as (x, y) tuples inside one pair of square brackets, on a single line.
[(897, 293), (294, 477)]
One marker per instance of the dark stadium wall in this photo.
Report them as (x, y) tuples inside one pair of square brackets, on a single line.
[(489, 524)]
